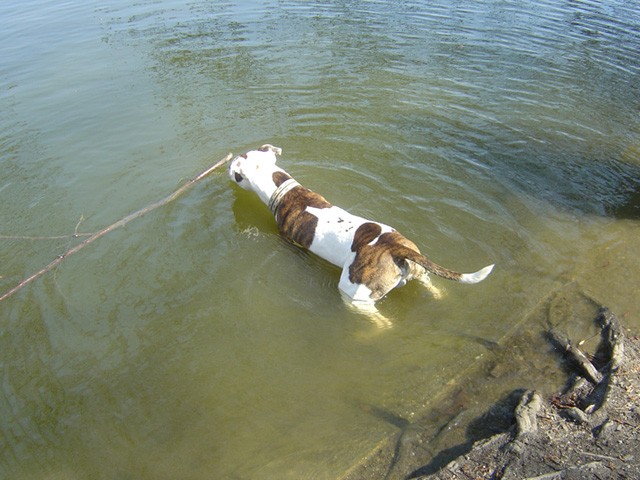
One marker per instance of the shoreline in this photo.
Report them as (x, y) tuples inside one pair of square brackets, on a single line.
[(587, 429)]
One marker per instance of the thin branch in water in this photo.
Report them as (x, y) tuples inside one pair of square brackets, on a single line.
[(120, 223), (75, 231), (53, 237), (75, 234)]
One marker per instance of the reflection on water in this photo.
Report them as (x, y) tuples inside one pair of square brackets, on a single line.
[(196, 342)]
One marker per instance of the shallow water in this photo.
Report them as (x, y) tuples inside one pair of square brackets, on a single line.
[(196, 343)]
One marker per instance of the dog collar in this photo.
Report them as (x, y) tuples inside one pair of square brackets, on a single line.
[(280, 192)]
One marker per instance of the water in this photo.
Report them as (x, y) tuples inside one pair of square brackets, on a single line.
[(196, 343)]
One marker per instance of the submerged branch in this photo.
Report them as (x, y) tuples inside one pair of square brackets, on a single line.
[(575, 355), (120, 223), (75, 234), (53, 237)]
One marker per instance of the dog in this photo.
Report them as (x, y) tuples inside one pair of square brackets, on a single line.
[(374, 257)]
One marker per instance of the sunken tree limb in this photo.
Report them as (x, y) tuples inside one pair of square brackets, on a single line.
[(575, 356), (585, 403)]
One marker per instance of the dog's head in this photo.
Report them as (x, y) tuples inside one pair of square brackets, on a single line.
[(251, 169)]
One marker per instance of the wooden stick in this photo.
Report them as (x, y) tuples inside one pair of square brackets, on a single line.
[(120, 223)]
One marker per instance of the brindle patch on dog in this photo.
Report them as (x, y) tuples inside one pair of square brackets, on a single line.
[(293, 220), (407, 255), (365, 234), (280, 177), (382, 265)]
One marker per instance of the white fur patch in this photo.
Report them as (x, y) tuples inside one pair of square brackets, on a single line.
[(334, 234), (476, 276)]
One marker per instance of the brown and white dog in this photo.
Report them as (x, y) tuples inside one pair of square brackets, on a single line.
[(374, 257)]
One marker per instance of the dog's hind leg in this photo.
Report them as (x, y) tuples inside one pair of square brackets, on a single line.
[(419, 273), (425, 280)]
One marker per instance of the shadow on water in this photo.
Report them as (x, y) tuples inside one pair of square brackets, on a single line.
[(605, 187), (497, 419), (630, 209)]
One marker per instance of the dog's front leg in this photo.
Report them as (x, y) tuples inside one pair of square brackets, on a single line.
[(358, 298), (369, 310)]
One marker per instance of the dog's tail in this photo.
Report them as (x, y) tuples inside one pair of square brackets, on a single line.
[(440, 271)]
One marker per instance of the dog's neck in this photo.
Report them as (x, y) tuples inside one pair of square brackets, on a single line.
[(279, 193), (267, 188)]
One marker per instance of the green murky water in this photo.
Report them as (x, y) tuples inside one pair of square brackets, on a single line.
[(195, 343)]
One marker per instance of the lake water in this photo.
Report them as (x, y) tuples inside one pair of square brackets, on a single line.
[(195, 343)]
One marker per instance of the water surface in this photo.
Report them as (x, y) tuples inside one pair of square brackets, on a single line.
[(195, 343)]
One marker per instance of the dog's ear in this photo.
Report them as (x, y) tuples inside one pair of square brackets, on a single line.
[(270, 148)]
